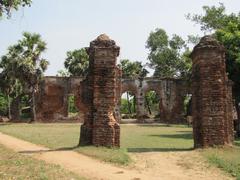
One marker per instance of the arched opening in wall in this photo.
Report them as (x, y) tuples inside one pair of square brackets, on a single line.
[(188, 109), (128, 105), (73, 112), (152, 100)]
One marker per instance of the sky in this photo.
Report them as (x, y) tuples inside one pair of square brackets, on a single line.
[(72, 24)]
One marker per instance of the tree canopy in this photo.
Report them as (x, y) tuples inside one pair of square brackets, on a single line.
[(77, 62), (23, 66), (132, 69), (6, 6), (226, 29), (166, 54)]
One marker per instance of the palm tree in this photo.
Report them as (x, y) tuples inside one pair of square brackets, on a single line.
[(23, 64), (31, 66), (77, 62)]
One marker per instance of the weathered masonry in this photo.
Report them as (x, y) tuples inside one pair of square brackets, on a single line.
[(52, 99), (211, 95), (55, 91), (172, 93), (98, 96)]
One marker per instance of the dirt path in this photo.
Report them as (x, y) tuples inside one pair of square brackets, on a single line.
[(149, 166), (187, 165)]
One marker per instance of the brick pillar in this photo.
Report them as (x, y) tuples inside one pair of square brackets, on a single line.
[(100, 127), (211, 95), (117, 111), (140, 104)]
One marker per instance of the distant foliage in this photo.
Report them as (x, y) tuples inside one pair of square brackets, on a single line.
[(77, 62), (71, 105), (169, 57), (63, 73), (152, 103), (22, 67), (226, 28), (6, 6), (3, 105), (132, 69), (125, 106)]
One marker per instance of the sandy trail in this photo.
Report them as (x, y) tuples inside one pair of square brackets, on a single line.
[(149, 166), (187, 165)]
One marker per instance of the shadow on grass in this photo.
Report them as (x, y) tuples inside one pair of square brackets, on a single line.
[(237, 142), (174, 136), (4, 124), (142, 150), (132, 150), (164, 125), (49, 150), (154, 125), (187, 132)]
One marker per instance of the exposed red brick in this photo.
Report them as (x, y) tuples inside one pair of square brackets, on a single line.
[(100, 95), (212, 98)]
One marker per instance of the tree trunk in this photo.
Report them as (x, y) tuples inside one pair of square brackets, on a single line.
[(238, 119), (34, 117), (9, 108), (134, 104), (129, 107), (15, 112)]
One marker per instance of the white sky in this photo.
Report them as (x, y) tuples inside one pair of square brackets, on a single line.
[(71, 24)]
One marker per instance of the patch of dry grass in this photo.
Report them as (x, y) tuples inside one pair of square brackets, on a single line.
[(23, 167)]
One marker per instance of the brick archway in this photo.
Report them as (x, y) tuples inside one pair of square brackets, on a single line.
[(99, 94)]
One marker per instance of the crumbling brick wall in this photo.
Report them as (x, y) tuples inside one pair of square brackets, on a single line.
[(171, 92), (52, 101), (211, 95), (52, 97), (100, 95)]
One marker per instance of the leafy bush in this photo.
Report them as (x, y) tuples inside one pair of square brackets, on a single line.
[(71, 105), (3, 105)]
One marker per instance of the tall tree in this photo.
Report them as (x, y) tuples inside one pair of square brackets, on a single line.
[(32, 65), (132, 69), (24, 63), (6, 6), (77, 62), (226, 29), (166, 55), (7, 88), (10, 84)]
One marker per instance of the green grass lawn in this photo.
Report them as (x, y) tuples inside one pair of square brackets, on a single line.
[(149, 138), (134, 138), (227, 159), (22, 167), (237, 142)]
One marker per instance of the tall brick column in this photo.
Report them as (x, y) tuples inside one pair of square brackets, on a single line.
[(211, 95), (100, 127), (140, 103)]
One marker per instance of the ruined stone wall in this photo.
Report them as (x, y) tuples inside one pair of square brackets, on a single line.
[(52, 98), (54, 92), (171, 91), (211, 95), (100, 126)]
